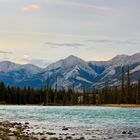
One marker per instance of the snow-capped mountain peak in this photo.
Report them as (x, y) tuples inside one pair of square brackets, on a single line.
[(122, 60), (31, 68), (69, 72), (7, 66), (70, 63)]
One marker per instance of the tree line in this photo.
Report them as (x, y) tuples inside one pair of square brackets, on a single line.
[(127, 93)]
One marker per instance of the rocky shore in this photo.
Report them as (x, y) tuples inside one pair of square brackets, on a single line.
[(24, 131), (19, 131)]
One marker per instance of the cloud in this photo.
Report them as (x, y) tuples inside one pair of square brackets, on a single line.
[(131, 42), (24, 60), (6, 58), (84, 5), (55, 45), (32, 7), (42, 33), (99, 41), (40, 62), (96, 7), (5, 52), (106, 41)]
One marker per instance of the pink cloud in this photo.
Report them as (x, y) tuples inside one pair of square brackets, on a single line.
[(32, 7)]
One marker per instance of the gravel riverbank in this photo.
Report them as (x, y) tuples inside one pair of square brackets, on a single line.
[(19, 131)]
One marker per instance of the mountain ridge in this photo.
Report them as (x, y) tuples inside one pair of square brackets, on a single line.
[(70, 72)]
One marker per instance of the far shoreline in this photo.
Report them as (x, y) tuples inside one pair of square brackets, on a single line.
[(121, 105), (100, 105)]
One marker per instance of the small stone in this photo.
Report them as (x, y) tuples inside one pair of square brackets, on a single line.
[(41, 134), (12, 129), (54, 138), (132, 136), (66, 134), (26, 123), (35, 138), (44, 138), (73, 134), (130, 133), (50, 133), (65, 128), (6, 124), (69, 137), (16, 133), (12, 138), (124, 132), (25, 126), (18, 126), (11, 134), (82, 138), (60, 138)]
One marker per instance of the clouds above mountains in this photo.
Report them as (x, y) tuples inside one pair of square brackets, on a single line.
[(55, 45), (5, 52), (107, 41), (35, 31), (40, 62), (26, 59), (32, 7)]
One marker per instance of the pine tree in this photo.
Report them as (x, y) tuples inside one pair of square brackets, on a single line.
[(2, 91), (84, 94), (94, 95), (55, 93), (106, 92), (138, 92), (122, 93), (47, 91), (128, 86), (98, 100), (44, 97)]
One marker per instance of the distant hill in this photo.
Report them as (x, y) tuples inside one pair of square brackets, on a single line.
[(71, 72)]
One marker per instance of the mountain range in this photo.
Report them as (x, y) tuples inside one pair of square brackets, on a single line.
[(71, 72)]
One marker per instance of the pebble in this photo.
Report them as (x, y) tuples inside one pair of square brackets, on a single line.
[(50, 133), (65, 128), (60, 138), (12, 129), (82, 138), (69, 137), (26, 123), (43, 138), (54, 138), (124, 132), (11, 134), (130, 133)]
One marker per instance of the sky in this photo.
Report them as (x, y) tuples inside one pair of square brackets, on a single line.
[(44, 31)]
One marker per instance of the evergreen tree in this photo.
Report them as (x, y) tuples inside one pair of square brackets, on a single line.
[(138, 92), (122, 94), (94, 95), (128, 86), (106, 92)]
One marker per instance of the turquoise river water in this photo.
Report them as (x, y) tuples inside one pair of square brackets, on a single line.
[(90, 122)]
